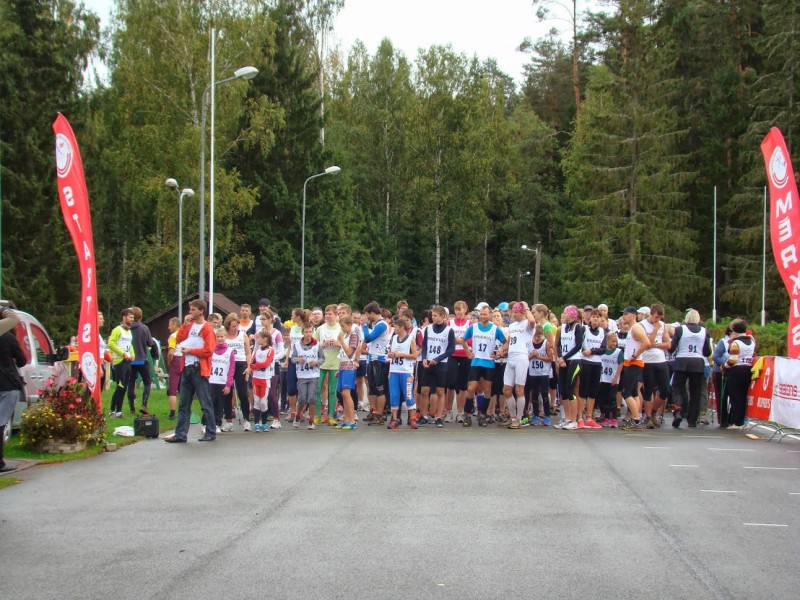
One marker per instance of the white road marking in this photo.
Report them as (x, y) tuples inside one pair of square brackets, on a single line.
[(731, 449), (692, 466), (794, 493), (720, 491), (709, 437), (774, 468), (656, 447), (765, 524)]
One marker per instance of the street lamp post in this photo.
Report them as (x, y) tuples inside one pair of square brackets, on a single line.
[(519, 282), (243, 73), (538, 252), (329, 171), (171, 183)]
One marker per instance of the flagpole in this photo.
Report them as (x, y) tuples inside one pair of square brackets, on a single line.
[(714, 283), (764, 266)]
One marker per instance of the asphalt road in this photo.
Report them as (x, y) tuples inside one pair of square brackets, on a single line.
[(451, 513)]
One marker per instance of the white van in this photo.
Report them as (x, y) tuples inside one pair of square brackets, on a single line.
[(43, 361)]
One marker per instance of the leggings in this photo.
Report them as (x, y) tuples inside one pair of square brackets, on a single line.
[(538, 386), (240, 383), (274, 396), (222, 402), (333, 380), (568, 380), (737, 382), (607, 400)]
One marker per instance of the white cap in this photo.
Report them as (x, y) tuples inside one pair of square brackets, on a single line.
[(645, 310), (481, 305), (599, 306)]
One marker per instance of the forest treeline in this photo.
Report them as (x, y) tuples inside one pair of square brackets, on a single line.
[(607, 153)]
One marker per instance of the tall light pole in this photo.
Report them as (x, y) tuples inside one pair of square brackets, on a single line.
[(243, 73), (329, 171), (171, 183), (538, 270)]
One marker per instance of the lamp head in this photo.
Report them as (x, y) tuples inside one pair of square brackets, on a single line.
[(524, 246), (171, 183), (245, 73), (187, 192), (332, 170)]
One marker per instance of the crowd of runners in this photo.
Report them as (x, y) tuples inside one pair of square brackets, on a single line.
[(513, 365)]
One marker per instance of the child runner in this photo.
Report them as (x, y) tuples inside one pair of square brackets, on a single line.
[(237, 339), (327, 335), (402, 353), (263, 358), (485, 336), (307, 357), (350, 348), (593, 348), (221, 379), (174, 362), (267, 320), (611, 364), (437, 345), (541, 357)]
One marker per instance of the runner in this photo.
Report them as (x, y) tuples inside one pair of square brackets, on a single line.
[(173, 367), (307, 356), (120, 342), (437, 345), (656, 369), (569, 341), (738, 370), (237, 339), (350, 347), (496, 410), (221, 381), (609, 382), (403, 353), (537, 388), (327, 335), (690, 345), (421, 400), (520, 334), (268, 324), (299, 318), (375, 330), (637, 342), (263, 360), (484, 335), (459, 365), (593, 348)]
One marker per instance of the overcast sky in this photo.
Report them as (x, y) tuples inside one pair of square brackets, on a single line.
[(487, 28)]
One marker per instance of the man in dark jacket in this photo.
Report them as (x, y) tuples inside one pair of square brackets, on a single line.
[(143, 343), (11, 386)]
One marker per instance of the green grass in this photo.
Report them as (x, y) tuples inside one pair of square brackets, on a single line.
[(157, 404), (8, 481)]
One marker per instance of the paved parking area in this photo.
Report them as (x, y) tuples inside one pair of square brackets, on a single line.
[(450, 513)]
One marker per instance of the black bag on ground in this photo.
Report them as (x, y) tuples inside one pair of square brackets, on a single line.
[(146, 425)]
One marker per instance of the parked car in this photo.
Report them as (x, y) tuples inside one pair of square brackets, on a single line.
[(44, 361)]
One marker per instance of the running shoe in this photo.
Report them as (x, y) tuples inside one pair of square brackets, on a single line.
[(636, 426), (570, 426), (295, 423), (467, 420), (257, 427), (592, 424), (412, 424), (735, 427), (624, 423), (227, 426), (525, 422), (439, 422), (347, 426), (448, 417), (276, 424), (422, 421), (312, 426), (332, 422), (247, 426), (460, 419), (613, 424), (317, 420), (605, 423), (370, 417), (535, 421), (393, 424), (676, 418), (582, 424), (378, 420), (515, 424), (546, 422)]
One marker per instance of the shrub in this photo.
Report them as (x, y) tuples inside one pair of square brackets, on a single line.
[(67, 412)]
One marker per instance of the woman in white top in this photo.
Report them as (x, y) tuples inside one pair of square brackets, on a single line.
[(242, 354)]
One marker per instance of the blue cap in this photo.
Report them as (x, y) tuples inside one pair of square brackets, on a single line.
[(503, 306)]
